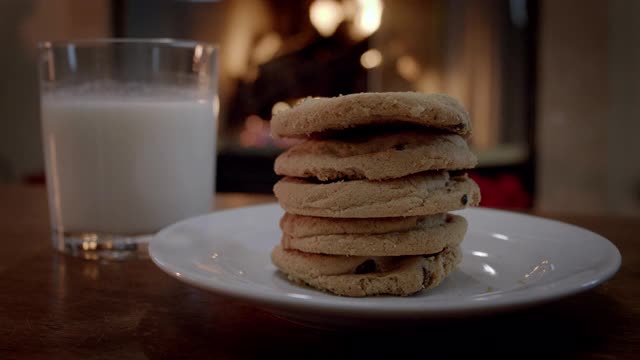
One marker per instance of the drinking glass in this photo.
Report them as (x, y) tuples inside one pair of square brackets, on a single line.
[(129, 131)]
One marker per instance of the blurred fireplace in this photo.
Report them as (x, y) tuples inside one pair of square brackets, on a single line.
[(274, 52)]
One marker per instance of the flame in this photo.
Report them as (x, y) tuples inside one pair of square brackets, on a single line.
[(371, 58), (325, 16), (408, 67), (266, 48), (367, 18)]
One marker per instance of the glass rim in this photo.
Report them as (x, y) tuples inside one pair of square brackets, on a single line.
[(169, 42)]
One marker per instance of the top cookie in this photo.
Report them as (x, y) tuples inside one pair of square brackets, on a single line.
[(317, 115)]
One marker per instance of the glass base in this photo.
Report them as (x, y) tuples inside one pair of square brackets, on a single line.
[(102, 246)]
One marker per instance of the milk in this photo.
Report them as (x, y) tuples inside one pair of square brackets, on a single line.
[(127, 164)]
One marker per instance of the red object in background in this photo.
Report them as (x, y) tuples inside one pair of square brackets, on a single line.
[(34, 179), (502, 191)]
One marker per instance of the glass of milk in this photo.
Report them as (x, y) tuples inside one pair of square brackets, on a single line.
[(129, 131)]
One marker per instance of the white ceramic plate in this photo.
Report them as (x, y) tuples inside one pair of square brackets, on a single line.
[(510, 260)]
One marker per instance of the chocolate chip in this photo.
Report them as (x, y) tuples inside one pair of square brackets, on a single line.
[(400, 147), (464, 199), (366, 267)]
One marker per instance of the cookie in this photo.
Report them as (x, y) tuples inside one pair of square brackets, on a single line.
[(376, 157), (422, 240), (303, 226), (317, 115), (402, 276), (420, 194)]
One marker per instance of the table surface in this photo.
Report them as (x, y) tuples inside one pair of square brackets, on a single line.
[(56, 306)]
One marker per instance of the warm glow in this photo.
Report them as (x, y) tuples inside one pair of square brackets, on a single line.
[(244, 19), (254, 123), (428, 82), (367, 18), (266, 48), (408, 67), (371, 58), (256, 132), (325, 16), (280, 106), (90, 256), (89, 242), (90, 237)]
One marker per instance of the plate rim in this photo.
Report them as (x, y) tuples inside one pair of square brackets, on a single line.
[(523, 298)]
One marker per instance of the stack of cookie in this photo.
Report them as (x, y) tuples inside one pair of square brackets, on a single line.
[(367, 193)]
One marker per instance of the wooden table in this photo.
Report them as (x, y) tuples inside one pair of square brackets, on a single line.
[(55, 306)]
